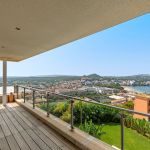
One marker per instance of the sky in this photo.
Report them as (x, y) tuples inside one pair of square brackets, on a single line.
[(118, 51)]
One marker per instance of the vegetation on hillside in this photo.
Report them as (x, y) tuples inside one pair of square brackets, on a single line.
[(97, 114), (127, 105), (91, 95), (113, 85)]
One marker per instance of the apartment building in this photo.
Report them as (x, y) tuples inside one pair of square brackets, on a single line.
[(142, 104)]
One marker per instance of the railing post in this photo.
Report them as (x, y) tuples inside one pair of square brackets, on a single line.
[(81, 113), (24, 94), (14, 88), (47, 100), (122, 131), (72, 122), (17, 90), (33, 99)]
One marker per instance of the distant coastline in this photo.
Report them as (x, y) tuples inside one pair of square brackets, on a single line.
[(138, 89), (129, 88), (9, 89)]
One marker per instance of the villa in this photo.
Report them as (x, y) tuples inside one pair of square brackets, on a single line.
[(32, 27)]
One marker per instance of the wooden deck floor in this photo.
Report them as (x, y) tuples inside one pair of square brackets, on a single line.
[(21, 130)]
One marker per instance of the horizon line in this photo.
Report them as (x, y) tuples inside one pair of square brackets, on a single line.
[(57, 75)]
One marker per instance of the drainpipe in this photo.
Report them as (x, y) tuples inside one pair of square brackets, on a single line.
[(4, 82)]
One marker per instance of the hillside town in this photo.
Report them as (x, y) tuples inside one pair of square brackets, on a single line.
[(109, 90)]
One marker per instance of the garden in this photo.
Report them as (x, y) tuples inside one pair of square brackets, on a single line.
[(104, 123)]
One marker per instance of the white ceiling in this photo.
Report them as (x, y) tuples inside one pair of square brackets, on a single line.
[(31, 27)]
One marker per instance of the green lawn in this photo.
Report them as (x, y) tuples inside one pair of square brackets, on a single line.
[(133, 140)]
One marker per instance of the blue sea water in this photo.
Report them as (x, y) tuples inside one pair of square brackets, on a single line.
[(141, 89), (9, 89)]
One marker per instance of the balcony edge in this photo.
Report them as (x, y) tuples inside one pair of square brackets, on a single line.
[(77, 137)]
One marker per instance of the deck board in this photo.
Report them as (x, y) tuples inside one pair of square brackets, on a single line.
[(4, 144), (29, 141), (21, 130), (49, 133), (12, 143), (4, 127)]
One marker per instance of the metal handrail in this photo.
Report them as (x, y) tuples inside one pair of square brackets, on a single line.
[(72, 99), (31, 88), (92, 102), (102, 104)]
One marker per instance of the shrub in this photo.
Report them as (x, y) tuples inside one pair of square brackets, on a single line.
[(59, 108), (66, 116), (128, 105), (140, 125), (92, 114), (92, 129), (83, 111), (52, 106), (96, 113)]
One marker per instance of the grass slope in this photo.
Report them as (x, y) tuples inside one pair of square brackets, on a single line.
[(133, 140)]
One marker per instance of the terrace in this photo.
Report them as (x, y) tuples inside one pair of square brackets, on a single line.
[(32, 27), (30, 98), (21, 130)]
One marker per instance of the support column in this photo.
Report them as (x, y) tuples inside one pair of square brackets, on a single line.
[(4, 82)]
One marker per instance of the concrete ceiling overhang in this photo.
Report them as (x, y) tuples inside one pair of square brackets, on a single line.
[(31, 27)]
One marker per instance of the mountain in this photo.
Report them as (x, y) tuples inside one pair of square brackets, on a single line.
[(140, 77), (49, 76), (94, 76)]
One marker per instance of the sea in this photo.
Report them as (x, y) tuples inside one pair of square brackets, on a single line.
[(9, 89), (140, 89)]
